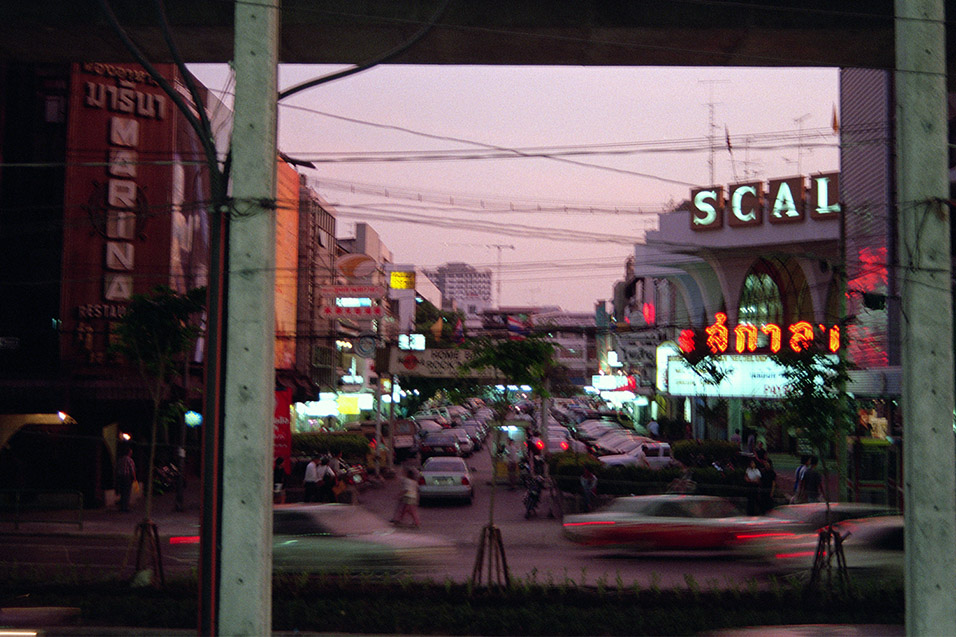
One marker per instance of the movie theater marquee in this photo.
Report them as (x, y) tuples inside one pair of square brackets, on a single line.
[(784, 201)]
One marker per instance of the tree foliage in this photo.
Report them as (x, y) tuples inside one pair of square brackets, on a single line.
[(154, 335), (523, 362), (815, 407)]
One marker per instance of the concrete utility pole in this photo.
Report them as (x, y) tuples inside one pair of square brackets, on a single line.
[(927, 318), (245, 583)]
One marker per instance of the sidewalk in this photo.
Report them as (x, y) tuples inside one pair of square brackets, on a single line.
[(111, 522)]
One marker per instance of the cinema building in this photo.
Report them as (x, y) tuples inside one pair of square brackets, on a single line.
[(759, 263)]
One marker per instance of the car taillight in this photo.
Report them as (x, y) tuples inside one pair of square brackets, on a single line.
[(564, 446), (421, 480), (465, 481), (539, 444)]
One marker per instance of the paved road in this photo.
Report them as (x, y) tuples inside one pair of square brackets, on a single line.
[(534, 549)]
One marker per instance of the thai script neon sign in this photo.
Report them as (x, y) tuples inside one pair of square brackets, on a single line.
[(720, 338)]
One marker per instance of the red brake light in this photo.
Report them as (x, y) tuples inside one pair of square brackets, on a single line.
[(421, 480), (465, 481), (564, 446), (539, 443)]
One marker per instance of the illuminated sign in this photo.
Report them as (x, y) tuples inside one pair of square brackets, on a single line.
[(746, 204), (411, 341), (435, 363), (613, 382), (742, 376), (352, 307), (720, 338), (401, 280), (369, 291)]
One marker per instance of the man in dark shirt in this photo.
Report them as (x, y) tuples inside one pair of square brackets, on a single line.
[(811, 482)]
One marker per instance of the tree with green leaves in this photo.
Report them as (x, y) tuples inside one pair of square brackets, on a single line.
[(816, 408), (529, 361), (154, 335)]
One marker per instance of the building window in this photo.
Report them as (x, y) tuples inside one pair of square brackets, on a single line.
[(760, 301)]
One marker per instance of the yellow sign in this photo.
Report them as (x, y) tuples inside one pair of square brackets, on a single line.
[(401, 280)]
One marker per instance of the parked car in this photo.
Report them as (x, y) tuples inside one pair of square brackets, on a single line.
[(616, 442), (654, 455), (666, 522), (445, 478), (340, 537), (475, 432), (464, 440), (426, 427), (440, 443), (405, 439)]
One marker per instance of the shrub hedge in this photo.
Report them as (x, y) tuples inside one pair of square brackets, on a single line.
[(366, 605), (703, 453), (311, 444), (566, 468)]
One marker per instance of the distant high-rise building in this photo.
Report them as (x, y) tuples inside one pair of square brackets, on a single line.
[(464, 286)]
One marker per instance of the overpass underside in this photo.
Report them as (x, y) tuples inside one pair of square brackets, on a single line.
[(490, 32)]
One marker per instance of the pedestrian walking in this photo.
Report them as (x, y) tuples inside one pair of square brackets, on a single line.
[(311, 481), (798, 495), (125, 478), (588, 488), (408, 499), (511, 455), (752, 477), (326, 482), (768, 487), (811, 483)]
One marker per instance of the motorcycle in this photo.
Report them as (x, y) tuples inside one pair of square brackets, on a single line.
[(355, 476), (534, 485), (164, 478)]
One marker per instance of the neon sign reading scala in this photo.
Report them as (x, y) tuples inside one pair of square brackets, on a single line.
[(784, 202), (798, 337)]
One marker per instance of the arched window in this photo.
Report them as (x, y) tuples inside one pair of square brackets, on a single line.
[(760, 300)]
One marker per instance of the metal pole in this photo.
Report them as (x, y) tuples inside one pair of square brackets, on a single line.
[(245, 593), (926, 318)]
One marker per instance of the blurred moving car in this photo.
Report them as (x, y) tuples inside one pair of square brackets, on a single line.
[(813, 515), (439, 443), (444, 477), (337, 537), (871, 546), (666, 522), (654, 455)]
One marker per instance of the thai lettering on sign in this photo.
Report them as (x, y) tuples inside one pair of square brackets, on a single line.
[(720, 338)]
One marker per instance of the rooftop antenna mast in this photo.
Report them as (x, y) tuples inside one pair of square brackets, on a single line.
[(799, 122), (712, 126), (499, 247)]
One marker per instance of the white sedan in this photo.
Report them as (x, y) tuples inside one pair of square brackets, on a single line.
[(654, 455), (445, 477)]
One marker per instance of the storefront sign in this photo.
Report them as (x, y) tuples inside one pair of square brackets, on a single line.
[(368, 310), (400, 280), (434, 363), (746, 204), (720, 338), (282, 426), (742, 377), (354, 291)]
